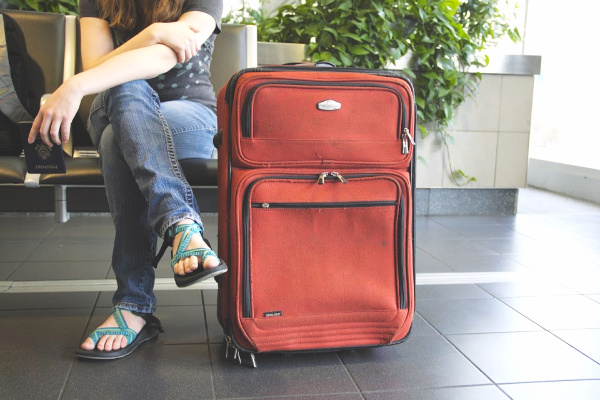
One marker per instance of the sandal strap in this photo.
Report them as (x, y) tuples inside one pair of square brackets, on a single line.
[(170, 234), (201, 253), (189, 230), (122, 330)]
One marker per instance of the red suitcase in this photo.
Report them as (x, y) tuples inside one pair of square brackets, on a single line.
[(316, 185)]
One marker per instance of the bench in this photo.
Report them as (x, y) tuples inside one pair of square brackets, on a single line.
[(235, 49)]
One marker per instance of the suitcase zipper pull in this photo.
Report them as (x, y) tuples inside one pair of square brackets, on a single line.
[(339, 176), (405, 137), (321, 179)]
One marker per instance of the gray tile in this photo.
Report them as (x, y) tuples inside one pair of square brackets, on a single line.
[(182, 324), (100, 222), (483, 263), (343, 396), (7, 268), (215, 331), (210, 297), (558, 312), (479, 232), (449, 292), (586, 341), (105, 300), (526, 289), (34, 376), (421, 327), (577, 390), (420, 362), (463, 221), (516, 245), (525, 357), (586, 282), (152, 372), (427, 229), (596, 298), (178, 298), (279, 375), (487, 392), (15, 251), (556, 263), (457, 316), (83, 229), (445, 249), (27, 228), (61, 270), (26, 333), (349, 396), (30, 301), (426, 263), (61, 251)]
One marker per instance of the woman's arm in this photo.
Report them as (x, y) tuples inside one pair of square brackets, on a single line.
[(184, 37), (145, 56)]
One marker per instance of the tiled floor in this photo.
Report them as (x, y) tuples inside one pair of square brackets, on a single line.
[(507, 307)]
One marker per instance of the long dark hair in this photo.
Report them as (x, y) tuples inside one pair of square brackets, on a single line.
[(135, 15)]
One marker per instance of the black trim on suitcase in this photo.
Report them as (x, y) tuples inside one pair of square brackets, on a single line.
[(247, 205)]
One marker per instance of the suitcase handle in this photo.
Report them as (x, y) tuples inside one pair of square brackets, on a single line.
[(326, 64)]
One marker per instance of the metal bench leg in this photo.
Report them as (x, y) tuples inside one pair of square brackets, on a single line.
[(60, 204)]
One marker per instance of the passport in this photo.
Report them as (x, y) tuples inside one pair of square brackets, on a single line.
[(40, 158)]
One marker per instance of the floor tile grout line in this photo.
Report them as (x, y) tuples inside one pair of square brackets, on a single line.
[(210, 358), (74, 359), (461, 353), (356, 385), (99, 285), (433, 388)]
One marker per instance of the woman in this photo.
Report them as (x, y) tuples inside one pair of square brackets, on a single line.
[(149, 62)]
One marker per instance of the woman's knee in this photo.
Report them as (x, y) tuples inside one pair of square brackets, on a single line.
[(128, 95)]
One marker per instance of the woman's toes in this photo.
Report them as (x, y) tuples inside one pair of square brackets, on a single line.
[(88, 344), (112, 343), (191, 264), (122, 343), (211, 262)]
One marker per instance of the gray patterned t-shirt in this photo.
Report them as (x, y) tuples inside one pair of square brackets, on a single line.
[(189, 80)]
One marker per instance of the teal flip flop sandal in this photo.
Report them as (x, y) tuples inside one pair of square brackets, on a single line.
[(149, 331), (180, 253)]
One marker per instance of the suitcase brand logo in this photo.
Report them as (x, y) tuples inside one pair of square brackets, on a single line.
[(329, 105), (273, 314)]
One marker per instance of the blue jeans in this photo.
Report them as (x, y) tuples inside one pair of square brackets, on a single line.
[(140, 141)]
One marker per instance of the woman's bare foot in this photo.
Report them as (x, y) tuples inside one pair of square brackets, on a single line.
[(115, 342), (189, 264)]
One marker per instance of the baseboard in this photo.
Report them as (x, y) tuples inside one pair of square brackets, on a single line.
[(578, 182)]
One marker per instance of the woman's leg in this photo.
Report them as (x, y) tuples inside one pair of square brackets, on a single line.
[(143, 137), (192, 127)]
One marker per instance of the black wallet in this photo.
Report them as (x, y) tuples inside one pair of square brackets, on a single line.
[(40, 158)]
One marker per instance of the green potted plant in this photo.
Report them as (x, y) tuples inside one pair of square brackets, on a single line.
[(67, 7), (444, 39)]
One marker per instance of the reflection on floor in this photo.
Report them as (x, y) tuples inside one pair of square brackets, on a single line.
[(507, 307)]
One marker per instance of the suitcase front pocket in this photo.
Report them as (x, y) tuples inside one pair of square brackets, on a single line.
[(310, 123), (323, 111), (318, 250)]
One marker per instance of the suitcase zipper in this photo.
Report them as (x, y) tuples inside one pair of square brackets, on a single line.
[(350, 204), (246, 286), (247, 108)]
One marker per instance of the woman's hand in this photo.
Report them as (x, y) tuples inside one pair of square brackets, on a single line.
[(178, 36), (53, 122)]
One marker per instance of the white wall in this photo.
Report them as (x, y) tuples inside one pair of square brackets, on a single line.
[(565, 108)]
